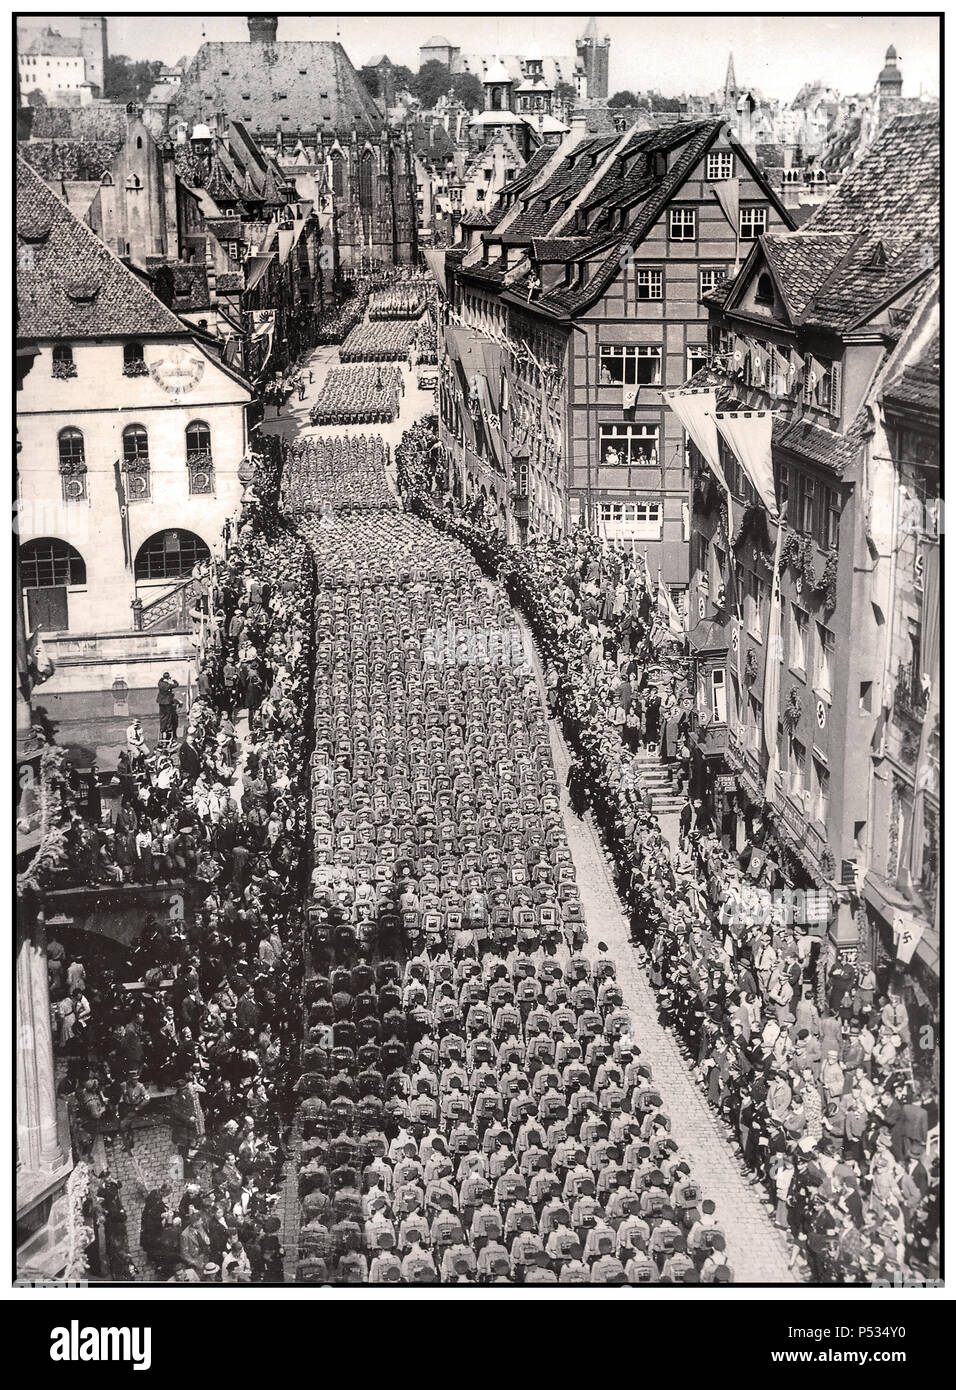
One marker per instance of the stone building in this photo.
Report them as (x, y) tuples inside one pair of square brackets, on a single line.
[(64, 69)]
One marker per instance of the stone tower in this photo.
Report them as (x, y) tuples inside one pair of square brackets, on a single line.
[(262, 27), (94, 49), (890, 80), (593, 56)]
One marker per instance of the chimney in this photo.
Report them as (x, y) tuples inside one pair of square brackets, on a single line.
[(262, 27)]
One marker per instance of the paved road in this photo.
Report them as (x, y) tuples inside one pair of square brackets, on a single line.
[(757, 1251)]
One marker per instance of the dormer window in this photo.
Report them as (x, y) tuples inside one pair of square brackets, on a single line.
[(764, 292)]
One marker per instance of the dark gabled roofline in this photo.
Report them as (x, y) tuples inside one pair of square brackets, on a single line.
[(602, 281)]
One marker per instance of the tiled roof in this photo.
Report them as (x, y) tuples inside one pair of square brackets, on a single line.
[(560, 248), (803, 262), (894, 190), (85, 161), (917, 385), (69, 284), (262, 83), (187, 280), (106, 121), (49, 43)]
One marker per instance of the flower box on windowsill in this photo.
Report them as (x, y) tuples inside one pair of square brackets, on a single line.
[(135, 368), (62, 371)]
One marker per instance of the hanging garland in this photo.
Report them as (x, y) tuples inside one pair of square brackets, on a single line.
[(794, 709), (750, 667), (55, 801), (797, 552), (753, 528)]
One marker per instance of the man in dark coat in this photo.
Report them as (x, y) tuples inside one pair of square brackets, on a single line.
[(166, 701), (189, 759)]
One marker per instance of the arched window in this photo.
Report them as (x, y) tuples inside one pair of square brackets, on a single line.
[(764, 294), (72, 461), (199, 458), (133, 364), (338, 176), (365, 181), (170, 555), (136, 462), (48, 562), (63, 364), (49, 567)]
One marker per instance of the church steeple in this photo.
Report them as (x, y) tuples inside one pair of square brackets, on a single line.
[(730, 85)]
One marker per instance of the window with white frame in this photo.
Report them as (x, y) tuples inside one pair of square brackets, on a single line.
[(682, 224), (710, 277), (628, 445), (823, 676), (618, 365), (640, 519), (718, 695), (799, 624), (720, 165), (796, 767), (650, 284), (697, 355), (807, 493), (821, 791), (753, 223)]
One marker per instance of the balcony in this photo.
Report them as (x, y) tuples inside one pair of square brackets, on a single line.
[(712, 740), (909, 699)]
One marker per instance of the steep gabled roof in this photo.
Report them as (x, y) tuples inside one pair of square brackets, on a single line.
[(262, 83), (894, 190), (69, 284), (802, 263)]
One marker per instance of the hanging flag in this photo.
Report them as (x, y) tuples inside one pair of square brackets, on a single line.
[(771, 671), (727, 192), (907, 931), (39, 664), (124, 513), (749, 434), (696, 408), (811, 374), (666, 606)]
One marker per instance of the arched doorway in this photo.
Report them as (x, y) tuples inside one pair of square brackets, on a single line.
[(169, 555), (49, 568)]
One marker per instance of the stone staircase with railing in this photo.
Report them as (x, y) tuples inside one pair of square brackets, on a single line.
[(661, 782)]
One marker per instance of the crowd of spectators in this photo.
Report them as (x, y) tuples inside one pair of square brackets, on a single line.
[(204, 1020)]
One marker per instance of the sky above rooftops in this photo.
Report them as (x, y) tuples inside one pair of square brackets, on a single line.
[(670, 53)]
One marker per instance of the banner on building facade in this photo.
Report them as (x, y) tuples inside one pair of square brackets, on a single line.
[(435, 260), (926, 776), (696, 408), (773, 659), (749, 435)]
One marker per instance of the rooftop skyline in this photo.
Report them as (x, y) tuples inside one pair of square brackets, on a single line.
[(669, 53)]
